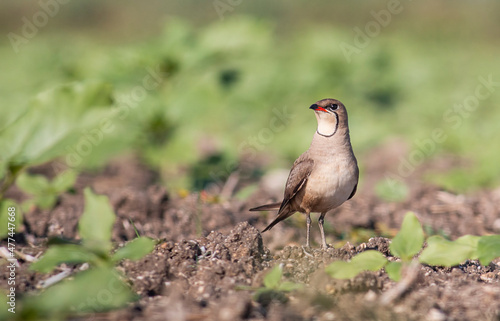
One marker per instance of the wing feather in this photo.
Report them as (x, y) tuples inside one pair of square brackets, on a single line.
[(299, 174)]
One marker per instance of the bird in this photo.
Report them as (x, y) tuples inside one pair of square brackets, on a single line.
[(324, 176)]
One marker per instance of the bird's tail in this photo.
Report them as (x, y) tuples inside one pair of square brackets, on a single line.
[(267, 207), (284, 214), (270, 226)]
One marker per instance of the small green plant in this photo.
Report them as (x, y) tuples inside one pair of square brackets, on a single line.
[(274, 288), (45, 192), (367, 261), (469, 247), (95, 228), (42, 131), (54, 120), (408, 243), (101, 286)]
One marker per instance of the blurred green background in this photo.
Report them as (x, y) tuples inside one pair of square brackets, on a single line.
[(200, 89)]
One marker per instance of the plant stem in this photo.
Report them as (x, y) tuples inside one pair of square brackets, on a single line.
[(10, 178)]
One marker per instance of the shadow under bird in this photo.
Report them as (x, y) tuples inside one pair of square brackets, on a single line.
[(324, 176)]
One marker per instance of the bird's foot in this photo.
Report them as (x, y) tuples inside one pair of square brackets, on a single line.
[(307, 250), (325, 247)]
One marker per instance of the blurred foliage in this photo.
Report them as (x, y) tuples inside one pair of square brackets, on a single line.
[(438, 250), (52, 122), (274, 288), (11, 220), (391, 190), (101, 287), (65, 122), (91, 291), (408, 243), (94, 228), (239, 86), (488, 248), (405, 245), (409, 240), (45, 193), (370, 260)]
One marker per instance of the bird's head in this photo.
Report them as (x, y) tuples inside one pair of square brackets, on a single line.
[(331, 115)]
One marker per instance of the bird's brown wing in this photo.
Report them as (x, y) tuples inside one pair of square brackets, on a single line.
[(297, 178)]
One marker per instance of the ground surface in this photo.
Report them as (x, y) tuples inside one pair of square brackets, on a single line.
[(211, 248)]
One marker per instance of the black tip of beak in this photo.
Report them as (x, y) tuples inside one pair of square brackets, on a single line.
[(313, 107)]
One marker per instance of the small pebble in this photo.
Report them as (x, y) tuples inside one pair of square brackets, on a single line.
[(487, 277), (370, 296), (329, 316), (496, 225), (436, 315)]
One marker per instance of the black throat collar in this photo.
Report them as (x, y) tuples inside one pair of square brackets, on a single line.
[(336, 127)]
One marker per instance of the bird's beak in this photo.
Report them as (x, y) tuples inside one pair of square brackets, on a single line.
[(316, 107)]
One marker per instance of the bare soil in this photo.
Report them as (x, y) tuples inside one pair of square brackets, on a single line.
[(212, 256)]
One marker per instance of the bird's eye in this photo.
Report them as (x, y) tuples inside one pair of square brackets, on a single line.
[(333, 107)]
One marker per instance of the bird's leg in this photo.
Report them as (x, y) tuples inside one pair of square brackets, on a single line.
[(321, 221), (308, 221)]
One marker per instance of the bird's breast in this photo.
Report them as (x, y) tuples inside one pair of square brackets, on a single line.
[(330, 184)]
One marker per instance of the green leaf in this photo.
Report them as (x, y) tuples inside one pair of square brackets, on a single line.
[(15, 220), (64, 181), (135, 249), (471, 241), (46, 201), (32, 184), (442, 252), (94, 290), (409, 240), (46, 192), (393, 270), (4, 307), (273, 278), (342, 270), (54, 122), (67, 253), (488, 248), (288, 286), (366, 261), (3, 170), (370, 260), (97, 220), (27, 205)]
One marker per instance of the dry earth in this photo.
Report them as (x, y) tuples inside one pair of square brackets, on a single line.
[(211, 249)]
